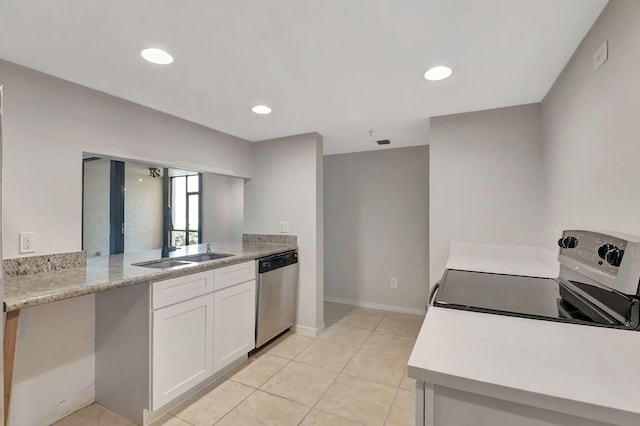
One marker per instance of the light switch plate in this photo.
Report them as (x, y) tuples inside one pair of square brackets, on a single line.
[(284, 227)]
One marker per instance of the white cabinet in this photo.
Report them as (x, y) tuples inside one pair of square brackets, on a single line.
[(442, 406), (234, 274), (174, 290), (234, 323), (206, 322), (158, 344), (182, 348)]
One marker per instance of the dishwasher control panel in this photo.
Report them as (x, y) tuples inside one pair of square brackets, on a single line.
[(276, 261)]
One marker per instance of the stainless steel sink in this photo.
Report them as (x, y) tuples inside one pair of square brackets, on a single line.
[(164, 264), (182, 261), (205, 257)]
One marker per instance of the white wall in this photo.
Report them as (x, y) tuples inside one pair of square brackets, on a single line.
[(96, 202), (55, 361), (487, 180), (590, 121), (2, 408), (222, 208), (47, 124), (284, 187), (142, 209), (376, 208), (319, 296)]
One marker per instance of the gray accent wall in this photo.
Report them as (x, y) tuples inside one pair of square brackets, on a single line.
[(591, 134), (487, 180), (376, 226)]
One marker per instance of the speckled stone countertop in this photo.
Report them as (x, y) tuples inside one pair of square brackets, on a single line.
[(106, 272)]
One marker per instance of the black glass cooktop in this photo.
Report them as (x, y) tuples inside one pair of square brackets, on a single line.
[(531, 297)]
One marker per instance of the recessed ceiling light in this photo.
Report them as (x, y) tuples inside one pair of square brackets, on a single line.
[(157, 56), (437, 73), (261, 109)]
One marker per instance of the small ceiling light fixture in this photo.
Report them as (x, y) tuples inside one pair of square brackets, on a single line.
[(437, 73), (261, 109), (157, 56)]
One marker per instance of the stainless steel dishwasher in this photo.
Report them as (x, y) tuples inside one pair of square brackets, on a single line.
[(277, 295)]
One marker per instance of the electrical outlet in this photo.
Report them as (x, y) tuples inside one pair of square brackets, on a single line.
[(284, 227), (601, 55), (27, 242), (394, 282)]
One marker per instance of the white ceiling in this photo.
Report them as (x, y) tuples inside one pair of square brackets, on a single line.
[(338, 67)]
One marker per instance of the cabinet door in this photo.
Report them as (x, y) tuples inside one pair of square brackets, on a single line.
[(182, 348), (234, 323)]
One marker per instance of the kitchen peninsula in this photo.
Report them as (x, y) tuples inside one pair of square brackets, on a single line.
[(113, 277)]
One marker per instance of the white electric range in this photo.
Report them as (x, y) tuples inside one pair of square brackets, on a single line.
[(599, 284), (517, 350)]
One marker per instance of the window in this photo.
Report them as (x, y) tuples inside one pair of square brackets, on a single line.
[(185, 208)]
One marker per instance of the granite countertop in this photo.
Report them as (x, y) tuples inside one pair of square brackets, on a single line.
[(106, 272)]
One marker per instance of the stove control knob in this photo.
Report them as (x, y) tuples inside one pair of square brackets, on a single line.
[(568, 242), (602, 251), (614, 256)]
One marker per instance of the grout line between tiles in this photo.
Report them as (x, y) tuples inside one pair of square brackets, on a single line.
[(386, 419), (235, 406), (232, 408), (338, 375), (255, 389), (334, 380)]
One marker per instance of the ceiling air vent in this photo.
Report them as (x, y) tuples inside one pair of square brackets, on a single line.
[(384, 142)]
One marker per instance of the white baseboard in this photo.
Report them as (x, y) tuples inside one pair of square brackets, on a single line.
[(308, 331), (379, 306)]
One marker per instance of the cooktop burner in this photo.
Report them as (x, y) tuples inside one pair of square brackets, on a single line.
[(497, 292), (531, 297)]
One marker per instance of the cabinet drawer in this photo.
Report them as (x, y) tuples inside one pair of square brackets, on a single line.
[(175, 290), (234, 274)]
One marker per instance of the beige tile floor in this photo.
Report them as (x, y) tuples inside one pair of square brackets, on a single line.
[(353, 373)]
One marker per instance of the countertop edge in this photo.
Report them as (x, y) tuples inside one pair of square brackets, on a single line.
[(520, 396), (17, 303), (427, 365)]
